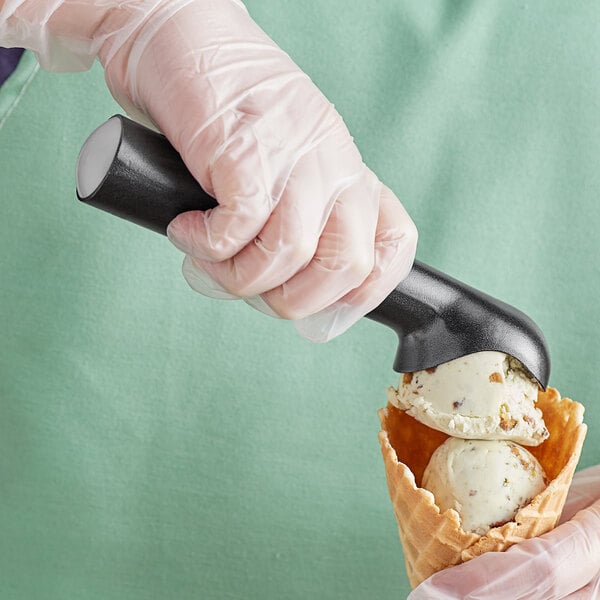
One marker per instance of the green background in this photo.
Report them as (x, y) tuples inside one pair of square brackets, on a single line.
[(157, 444)]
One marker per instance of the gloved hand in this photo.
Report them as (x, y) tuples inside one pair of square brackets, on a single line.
[(563, 563), (303, 230)]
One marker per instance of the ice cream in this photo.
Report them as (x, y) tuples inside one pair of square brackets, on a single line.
[(486, 401), (433, 539), (485, 481), (486, 395)]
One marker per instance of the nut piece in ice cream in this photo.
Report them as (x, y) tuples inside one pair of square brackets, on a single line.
[(485, 481), (486, 395)]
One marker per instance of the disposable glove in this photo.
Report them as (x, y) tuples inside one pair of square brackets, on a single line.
[(563, 563), (303, 230)]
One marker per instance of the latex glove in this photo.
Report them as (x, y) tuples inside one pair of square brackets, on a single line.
[(303, 230), (564, 563)]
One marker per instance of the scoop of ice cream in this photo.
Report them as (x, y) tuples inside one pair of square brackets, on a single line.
[(485, 481), (486, 395)]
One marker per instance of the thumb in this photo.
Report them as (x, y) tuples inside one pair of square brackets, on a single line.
[(551, 566), (584, 490)]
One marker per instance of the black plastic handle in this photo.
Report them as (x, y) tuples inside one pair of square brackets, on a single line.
[(436, 317), (147, 182)]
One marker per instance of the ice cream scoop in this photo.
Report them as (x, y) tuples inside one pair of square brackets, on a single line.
[(486, 395), (135, 173), (485, 481)]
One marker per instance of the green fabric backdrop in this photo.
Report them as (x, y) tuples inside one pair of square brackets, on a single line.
[(157, 444)]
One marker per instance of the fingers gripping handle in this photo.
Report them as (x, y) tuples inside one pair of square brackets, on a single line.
[(134, 173)]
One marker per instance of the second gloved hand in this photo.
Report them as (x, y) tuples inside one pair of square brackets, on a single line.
[(303, 229), (563, 563)]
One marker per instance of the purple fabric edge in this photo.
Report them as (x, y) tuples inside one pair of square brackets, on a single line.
[(9, 59)]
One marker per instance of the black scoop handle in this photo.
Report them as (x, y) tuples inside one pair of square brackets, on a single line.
[(436, 317)]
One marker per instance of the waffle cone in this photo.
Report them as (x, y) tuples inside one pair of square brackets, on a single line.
[(434, 540)]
